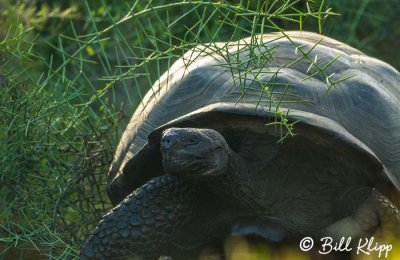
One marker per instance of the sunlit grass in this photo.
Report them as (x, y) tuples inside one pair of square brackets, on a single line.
[(241, 248)]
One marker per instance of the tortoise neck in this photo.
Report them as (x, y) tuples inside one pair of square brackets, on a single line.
[(234, 184)]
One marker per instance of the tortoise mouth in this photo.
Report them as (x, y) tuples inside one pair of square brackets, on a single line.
[(186, 167)]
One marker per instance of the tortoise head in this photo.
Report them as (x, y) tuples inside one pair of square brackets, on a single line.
[(194, 152)]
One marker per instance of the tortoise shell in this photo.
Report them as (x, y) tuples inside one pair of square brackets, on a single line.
[(329, 88)]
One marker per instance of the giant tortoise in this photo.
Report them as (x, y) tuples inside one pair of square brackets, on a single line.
[(281, 136)]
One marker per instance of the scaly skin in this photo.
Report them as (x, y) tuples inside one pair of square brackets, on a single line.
[(167, 217), (144, 223), (378, 209)]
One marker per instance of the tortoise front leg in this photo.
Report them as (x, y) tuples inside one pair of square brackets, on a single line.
[(375, 211), (143, 224)]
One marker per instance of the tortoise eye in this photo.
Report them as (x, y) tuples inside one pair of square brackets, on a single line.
[(192, 141)]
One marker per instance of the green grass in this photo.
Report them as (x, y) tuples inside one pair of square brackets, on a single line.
[(71, 76), (370, 25)]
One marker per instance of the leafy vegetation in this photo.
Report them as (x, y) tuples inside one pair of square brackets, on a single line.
[(71, 74)]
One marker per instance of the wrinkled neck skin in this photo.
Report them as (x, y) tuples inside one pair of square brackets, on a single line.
[(233, 183)]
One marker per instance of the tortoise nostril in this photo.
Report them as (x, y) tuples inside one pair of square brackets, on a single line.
[(168, 139), (165, 143)]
